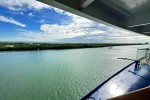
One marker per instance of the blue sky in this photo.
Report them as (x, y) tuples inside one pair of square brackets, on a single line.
[(32, 21)]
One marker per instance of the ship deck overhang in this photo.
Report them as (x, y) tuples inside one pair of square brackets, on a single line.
[(132, 15)]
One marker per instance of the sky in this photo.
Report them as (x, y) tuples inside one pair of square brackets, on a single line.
[(32, 21)]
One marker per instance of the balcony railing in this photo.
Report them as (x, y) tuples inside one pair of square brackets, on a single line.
[(143, 55)]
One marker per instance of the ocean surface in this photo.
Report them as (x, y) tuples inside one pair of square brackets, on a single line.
[(59, 74)]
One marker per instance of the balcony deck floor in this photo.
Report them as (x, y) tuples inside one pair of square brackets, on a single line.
[(125, 82)]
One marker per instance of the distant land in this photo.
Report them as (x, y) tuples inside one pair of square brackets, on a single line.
[(20, 46)]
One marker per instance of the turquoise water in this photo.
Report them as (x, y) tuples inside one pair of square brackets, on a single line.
[(58, 74)]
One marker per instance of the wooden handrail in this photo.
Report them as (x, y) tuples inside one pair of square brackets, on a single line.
[(141, 94)]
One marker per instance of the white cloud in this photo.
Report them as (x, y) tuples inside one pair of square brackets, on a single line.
[(17, 5), (30, 14), (33, 36), (16, 12), (42, 21), (11, 20), (23, 5), (84, 28), (59, 11), (22, 30), (80, 28)]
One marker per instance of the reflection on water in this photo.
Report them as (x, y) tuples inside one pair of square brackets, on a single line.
[(58, 74)]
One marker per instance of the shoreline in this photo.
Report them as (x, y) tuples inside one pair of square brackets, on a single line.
[(56, 46)]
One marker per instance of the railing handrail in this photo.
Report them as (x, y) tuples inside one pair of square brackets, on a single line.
[(144, 49)]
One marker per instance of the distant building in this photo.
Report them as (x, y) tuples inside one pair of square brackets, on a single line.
[(10, 46)]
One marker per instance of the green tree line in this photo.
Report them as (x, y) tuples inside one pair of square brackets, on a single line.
[(5, 46)]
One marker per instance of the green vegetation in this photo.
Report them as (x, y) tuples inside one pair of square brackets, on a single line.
[(5, 46)]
